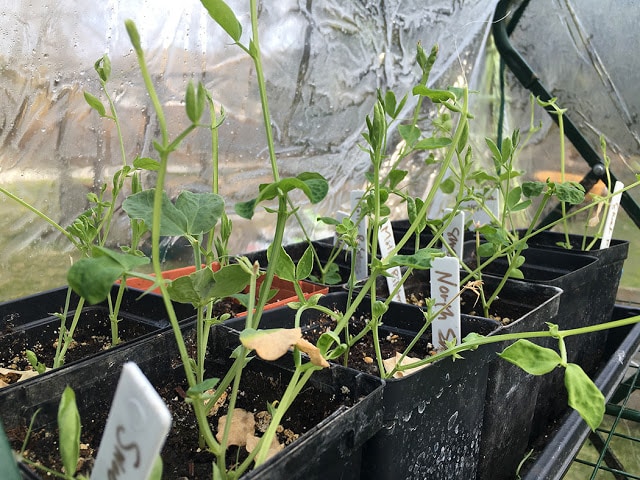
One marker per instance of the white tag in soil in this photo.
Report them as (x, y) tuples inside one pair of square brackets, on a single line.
[(136, 429), (361, 260), (453, 235), (387, 243), (445, 285), (610, 222)]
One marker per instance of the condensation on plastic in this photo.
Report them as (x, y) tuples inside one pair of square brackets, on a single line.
[(323, 62), (583, 53)]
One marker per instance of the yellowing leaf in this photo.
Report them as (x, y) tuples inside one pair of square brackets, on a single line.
[(391, 363), (242, 425), (270, 344), (313, 352)]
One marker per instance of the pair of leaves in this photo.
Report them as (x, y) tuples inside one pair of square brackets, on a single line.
[(421, 259), (192, 214), (583, 394), (205, 285), (286, 269), (313, 185)]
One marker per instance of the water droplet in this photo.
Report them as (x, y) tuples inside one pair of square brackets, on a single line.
[(452, 420)]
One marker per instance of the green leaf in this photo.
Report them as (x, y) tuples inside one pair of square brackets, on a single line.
[(224, 16), (69, 428), (201, 210), (145, 163), (156, 470), (128, 261), (95, 103), (396, 176), (497, 155), (432, 143), (390, 103), (92, 278), (194, 102), (448, 186), (584, 396), (205, 285), (570, 192), (517, 274), (507, 147), (421, 259), (436, 96), (521, 206), (183, 290), (102, 66), (486, 250), (285, 268), (532, 358), (312, 184), (410, 134), (199, 389), (32, 358), (139, 206), (318, 186), (378, 309), (7, 458), (513, 197), (246, 209), (305, 264)]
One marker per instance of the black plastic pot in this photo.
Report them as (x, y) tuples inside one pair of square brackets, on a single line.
[(433, 418), (331, 447), (511, 393), (519, 404), (565, 441), (604, 279), (30, 323)]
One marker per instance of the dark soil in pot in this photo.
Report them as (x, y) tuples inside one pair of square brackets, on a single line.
[(31, 323), (328, 399), (181, 456)]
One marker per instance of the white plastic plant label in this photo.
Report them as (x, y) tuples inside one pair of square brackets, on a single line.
[(445, 285), (453, 235), (361, 260), (387, 243), (136, 429), (612, 214)]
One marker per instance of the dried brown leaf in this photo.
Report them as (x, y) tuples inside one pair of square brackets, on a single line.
[(314, 353), (271, 344), (252, 442), (391, 363), (242, 425)]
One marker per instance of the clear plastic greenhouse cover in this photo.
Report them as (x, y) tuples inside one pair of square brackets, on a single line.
[(323, 62), (584, 52)]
